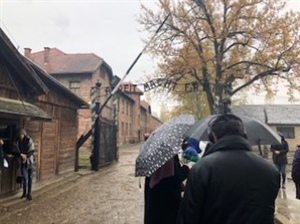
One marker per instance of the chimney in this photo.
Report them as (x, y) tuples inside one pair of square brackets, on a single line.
[(27, 52), (46, 54)]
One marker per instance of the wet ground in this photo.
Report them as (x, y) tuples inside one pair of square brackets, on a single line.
[(109, 196), (287, 205)]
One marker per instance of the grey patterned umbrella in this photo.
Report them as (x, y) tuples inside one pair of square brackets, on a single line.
[(258, 133), (162, 145)]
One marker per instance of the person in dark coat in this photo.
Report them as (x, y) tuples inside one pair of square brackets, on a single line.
[(280, 158), (1, 154), (25, 147), (296, 171), (231, 183), (146, 186), (163, 191)]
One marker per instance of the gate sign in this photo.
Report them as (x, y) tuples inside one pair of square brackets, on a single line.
[(154, 83), (171, 85)]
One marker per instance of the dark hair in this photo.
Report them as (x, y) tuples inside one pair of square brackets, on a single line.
[(184, 143), (226, 124)]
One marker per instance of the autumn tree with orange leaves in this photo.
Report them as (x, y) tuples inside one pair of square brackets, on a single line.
[(225, 45)]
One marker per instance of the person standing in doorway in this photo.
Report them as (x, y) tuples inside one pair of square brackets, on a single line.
[(26, 152), (280, 158)]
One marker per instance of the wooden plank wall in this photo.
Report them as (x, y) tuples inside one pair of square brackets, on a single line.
[(49, 150), (55, 143), (68, 138)]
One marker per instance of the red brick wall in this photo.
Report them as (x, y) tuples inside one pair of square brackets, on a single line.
[(154, 123), (86, 83), (125, 120)]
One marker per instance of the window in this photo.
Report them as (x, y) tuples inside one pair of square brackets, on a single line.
[(130, 129), (287, 132), (123, 106), (102, 72), (75, 86), (122, 128), (131, 110), (126, 88)]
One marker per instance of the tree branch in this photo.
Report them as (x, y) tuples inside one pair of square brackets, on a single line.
[(255, 78)]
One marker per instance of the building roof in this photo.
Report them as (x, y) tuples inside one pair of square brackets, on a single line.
[(18, 107), (54, 84), (156, 119), (58, 62), (121, 93), (282, 114), (22, 75), (145, 105)]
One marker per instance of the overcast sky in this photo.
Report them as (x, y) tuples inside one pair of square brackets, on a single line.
[(107, 28)]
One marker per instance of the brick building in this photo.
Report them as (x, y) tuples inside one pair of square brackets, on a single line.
[(134, 115), (79, 72)]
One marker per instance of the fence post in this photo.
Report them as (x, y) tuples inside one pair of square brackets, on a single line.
[(94, 159)]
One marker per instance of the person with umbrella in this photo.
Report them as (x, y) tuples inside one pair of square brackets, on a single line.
[(231, 183), (280, 158), (158, 161), (163, 192), (296, 171)]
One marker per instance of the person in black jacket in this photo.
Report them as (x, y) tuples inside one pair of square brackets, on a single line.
[(296, 171), (231, 183), (1, 154), (280, 158)]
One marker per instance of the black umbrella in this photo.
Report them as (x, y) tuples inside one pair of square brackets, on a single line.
[(162, 145), (258, 133)]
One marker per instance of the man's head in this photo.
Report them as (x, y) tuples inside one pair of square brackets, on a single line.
[(184, 143), (281, 136), (21, 133), (146, 136), (223, 125)]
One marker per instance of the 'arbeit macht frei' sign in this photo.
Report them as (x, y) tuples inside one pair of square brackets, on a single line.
[(170, 84)]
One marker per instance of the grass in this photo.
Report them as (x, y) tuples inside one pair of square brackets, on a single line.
[(84, 159)]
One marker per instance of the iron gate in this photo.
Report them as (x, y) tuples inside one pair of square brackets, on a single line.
[(108, 150)]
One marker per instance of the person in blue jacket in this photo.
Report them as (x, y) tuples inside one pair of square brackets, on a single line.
[(190, 147)]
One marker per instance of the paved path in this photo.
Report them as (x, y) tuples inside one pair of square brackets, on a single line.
[(109, 196), (287, 206)]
